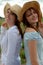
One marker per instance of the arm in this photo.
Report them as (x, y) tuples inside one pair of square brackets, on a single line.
[(3, 32), (33, 52), (32, 37), (3, 29)]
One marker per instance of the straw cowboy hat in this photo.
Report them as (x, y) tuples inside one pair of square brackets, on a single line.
[(15, 9), (7, 6), (32, 4)]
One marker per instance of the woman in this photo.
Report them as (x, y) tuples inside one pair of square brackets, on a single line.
[(33, 42), (12, 38)]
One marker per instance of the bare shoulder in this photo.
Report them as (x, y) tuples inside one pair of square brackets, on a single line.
[(30, 30)]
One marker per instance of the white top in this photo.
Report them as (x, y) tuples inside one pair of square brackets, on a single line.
[(10, 44)]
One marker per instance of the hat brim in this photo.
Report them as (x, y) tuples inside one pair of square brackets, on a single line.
[(32, 4), (7, 6)]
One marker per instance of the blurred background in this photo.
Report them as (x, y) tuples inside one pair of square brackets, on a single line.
[(12, 2)]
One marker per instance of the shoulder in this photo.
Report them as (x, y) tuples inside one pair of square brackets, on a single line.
[(14, 33), (30, 30), (30, 33), (13, 30)]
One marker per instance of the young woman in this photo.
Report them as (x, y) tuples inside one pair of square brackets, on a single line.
[(12, 38), (33, 41)]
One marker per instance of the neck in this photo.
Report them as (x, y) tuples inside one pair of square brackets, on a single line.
[(35, 26), (10, 25)]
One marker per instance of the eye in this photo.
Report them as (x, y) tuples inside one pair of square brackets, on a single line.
[(29, 14), (7, 11), (34, 11), (12, 13)]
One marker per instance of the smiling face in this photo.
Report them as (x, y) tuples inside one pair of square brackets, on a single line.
[(10, 17), (31, 16)]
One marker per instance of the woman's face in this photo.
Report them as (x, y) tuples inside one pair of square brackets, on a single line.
[(31, 16), (10, 18)]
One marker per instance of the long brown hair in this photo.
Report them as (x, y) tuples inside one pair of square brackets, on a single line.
[(25, 22), (17, 23)]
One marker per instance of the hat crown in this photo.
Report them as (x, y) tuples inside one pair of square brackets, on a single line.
[(15, 9), (32, 4)]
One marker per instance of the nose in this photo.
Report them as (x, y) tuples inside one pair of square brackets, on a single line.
[(33, 14)]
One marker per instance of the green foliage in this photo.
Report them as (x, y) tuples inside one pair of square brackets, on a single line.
[(22, 27), (42, 19), (1, 20), (22, 54)]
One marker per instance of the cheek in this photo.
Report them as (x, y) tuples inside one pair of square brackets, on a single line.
[(29, 19), (36, 15), (13, 19)]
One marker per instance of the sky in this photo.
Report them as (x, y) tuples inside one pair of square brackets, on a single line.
[(12, 2)]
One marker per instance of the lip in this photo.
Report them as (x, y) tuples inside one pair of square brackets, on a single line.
[(6, 18), (34, 18)]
